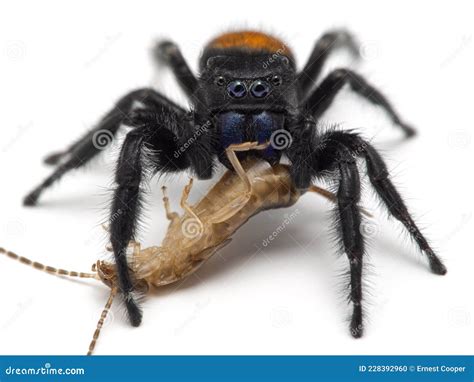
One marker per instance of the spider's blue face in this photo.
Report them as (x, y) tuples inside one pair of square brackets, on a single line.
[(235, 127)]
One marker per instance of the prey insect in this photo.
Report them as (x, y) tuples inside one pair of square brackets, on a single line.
[(203, 228)]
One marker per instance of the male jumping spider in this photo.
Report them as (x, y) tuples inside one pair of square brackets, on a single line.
[(248, 90)]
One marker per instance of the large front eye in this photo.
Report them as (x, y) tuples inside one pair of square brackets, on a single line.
[(237, 89), (260, 89)]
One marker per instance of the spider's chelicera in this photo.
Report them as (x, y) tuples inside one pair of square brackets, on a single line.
[(248, 90)]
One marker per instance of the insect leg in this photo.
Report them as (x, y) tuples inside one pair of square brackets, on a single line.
[(170, 215), (333, 197), (246, 146)]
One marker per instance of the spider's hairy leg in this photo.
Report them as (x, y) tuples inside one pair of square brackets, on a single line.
[(151, 147), (91, 144), (380, 180), (319, 100), (335, 153), (170, 54), (349, 221), (348, 197), (324, 47)]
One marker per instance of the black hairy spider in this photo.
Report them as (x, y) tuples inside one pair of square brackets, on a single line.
[(248, 90)]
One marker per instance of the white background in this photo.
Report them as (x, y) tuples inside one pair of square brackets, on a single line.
[(63, 64)]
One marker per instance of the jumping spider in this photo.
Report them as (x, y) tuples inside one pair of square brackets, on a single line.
[(248, 90)]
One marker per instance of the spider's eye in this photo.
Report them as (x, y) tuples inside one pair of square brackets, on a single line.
[(276, 80), (219, 80), (260, 89), (237, 89)]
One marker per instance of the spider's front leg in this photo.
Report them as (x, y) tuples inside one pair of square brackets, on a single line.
[(168, 52), (333, 155), (97, 139), (153, 146)]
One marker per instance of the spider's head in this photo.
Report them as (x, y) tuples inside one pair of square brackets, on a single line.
[(248, 82)]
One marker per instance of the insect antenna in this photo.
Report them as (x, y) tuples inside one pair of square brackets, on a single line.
[(47, 268), (101, 321)]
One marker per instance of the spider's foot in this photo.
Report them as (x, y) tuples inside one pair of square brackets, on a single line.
[(32, 198), (408, 130), (357, 326), (53, 158), (134, 312), (437, 267), (165, 50)]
